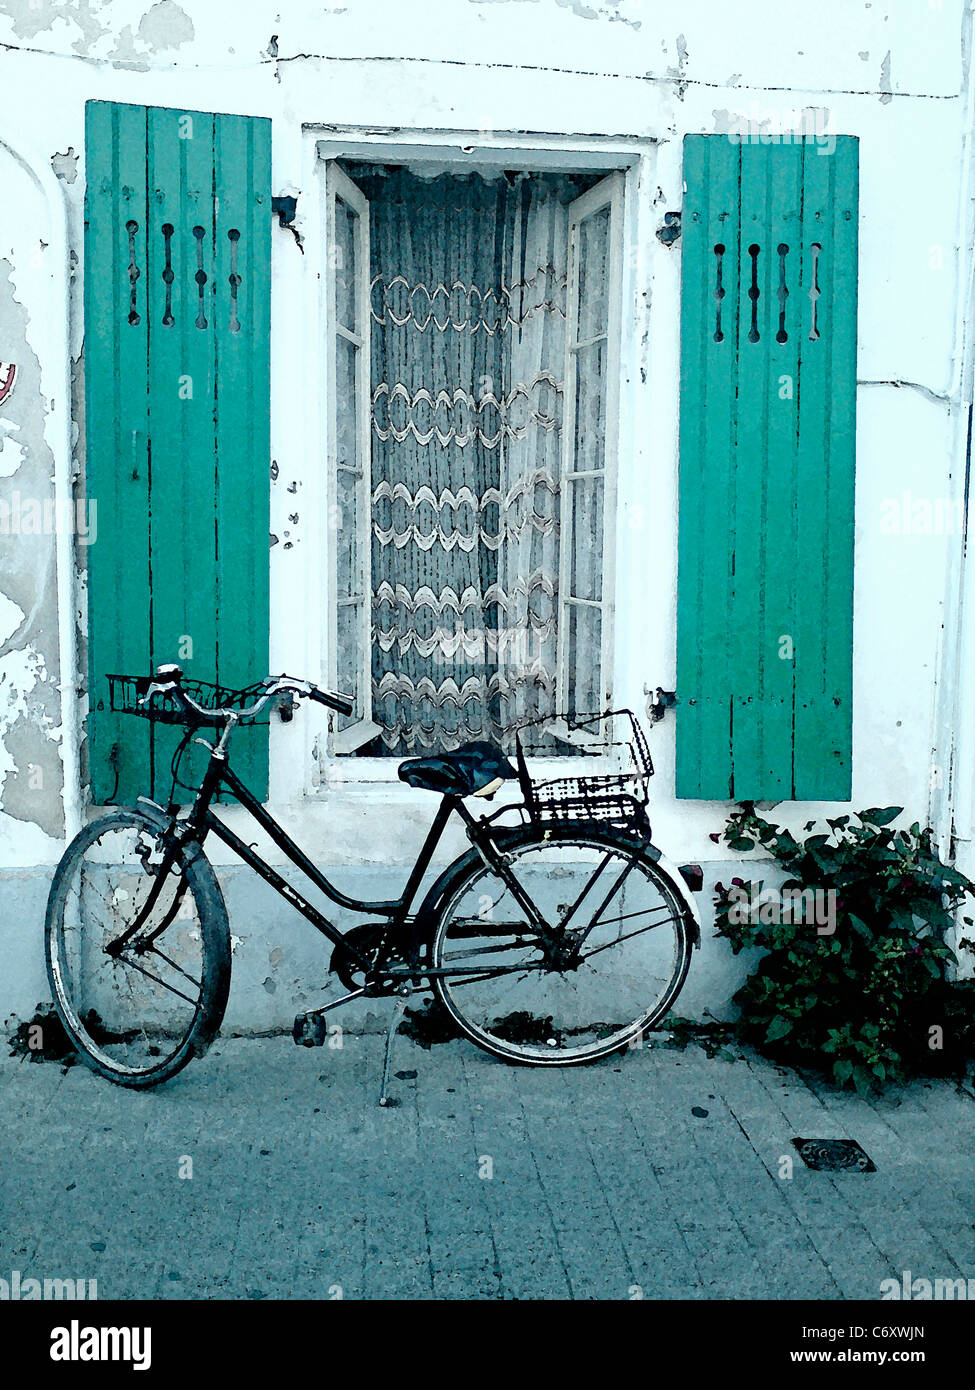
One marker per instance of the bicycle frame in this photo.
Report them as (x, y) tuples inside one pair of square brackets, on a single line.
[(202, 821)]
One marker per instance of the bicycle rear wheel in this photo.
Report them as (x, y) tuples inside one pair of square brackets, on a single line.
[(579, 948), (139, 1011)]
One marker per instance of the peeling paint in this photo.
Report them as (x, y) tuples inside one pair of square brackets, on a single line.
[(682, 55), (65, 165), (165, 26), (11, 452), (886, 90), (11, 617), (30, 18), (30, 768), (126, 55), (609, 9)]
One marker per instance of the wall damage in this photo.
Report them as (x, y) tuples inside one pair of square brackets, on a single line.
[(30, 774)]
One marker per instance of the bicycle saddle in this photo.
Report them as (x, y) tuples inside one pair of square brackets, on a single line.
[(473, 769)]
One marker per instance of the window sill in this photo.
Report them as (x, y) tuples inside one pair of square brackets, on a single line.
[(340, 773)]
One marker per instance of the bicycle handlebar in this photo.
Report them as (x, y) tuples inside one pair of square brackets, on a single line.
[(168, 682)]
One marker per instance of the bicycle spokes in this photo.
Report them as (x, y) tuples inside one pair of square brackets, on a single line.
[(128, 950), (607, 963)]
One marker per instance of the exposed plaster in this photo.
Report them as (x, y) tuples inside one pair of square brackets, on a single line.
[(11, 453), (609, 9), (165, 26), (808, 119), (65, 165), (32, 17), (30, 768), (886, 91), (681, 73), (126, 55)]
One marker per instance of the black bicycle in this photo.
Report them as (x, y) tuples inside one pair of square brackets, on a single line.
[(557, 938)]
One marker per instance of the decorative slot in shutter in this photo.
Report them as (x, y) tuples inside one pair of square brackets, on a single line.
[(177, 300), (768, 392)]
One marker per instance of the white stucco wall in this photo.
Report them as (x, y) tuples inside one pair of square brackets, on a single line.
[(619, 81)]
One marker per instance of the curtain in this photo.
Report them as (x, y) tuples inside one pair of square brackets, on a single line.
[(468, 289)]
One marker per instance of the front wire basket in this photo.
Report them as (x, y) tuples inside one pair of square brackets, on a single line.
[(617, 796), (126, 692)]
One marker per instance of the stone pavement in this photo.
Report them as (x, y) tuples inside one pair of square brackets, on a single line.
[(659, 1173)]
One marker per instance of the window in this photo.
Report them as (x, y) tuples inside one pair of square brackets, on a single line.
[(473, 331)]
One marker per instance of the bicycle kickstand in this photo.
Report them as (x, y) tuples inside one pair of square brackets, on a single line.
[(385, 1098)]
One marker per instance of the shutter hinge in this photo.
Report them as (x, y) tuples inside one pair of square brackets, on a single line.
[(285, 207), (670, 231), (659, 702)]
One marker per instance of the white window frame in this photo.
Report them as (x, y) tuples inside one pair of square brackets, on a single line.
[(607, 193), (339, 188), (634, 159)]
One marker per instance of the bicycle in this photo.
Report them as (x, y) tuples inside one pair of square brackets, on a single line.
[(512, 938)]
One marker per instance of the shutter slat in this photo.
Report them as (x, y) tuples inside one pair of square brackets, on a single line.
[(782, 558), (826, 435), (182, 533), (747, 522), (842, 429), (242, 175), (706, 462), (116, 464), (690, 537), (813, 465)]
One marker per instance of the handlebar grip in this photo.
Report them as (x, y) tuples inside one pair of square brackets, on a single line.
[(332, 699)]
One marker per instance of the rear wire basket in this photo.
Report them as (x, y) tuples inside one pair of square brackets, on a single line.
[(126, 692), (617, 796)]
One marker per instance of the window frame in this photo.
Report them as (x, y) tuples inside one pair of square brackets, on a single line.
[(609, 192), (339, 188), (634, 159)]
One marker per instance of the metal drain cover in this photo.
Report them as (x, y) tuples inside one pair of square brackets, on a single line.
[(834, 1156)]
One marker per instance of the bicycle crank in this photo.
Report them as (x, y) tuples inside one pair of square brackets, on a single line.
[(366, 938), (310, 1029)]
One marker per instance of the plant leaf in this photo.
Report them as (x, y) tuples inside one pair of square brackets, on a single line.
[(778, 1028)]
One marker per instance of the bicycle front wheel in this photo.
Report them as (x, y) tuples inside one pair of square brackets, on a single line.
[(138, 950), (571, 951)]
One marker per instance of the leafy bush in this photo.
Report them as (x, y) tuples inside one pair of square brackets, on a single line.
[(866, 991)]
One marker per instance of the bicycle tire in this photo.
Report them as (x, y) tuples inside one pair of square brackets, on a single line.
[(214, 933), (465, 875)]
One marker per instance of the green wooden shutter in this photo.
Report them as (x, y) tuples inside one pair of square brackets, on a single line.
[(767, 441), (177, 314)]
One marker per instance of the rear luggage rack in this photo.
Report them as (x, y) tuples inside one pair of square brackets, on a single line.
[(617, 796)]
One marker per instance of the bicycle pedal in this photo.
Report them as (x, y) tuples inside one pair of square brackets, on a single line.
[(309, 1030)]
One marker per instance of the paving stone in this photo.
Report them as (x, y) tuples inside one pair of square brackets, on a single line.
[(655, 1174)]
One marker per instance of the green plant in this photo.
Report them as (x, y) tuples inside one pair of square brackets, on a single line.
[(855, 975)]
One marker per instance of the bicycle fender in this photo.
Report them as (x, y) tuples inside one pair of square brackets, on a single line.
[(161, 818), (680, 884), (459, 869), (454, 872)]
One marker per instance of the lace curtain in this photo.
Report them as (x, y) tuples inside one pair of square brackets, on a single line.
[(468, 299)]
